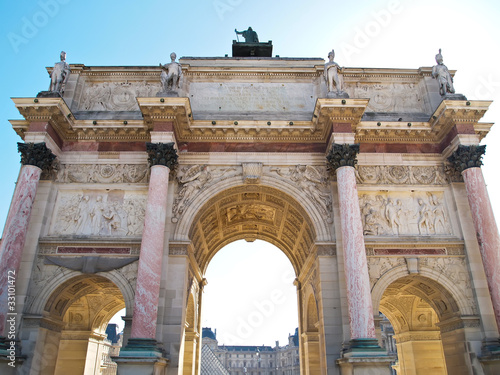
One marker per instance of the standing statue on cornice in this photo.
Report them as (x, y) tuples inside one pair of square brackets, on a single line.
[(171, 75), (333, 79), (442, 74), (59, 74)]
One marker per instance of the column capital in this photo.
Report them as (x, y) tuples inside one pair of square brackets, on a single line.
[(342, 156), (467, 157), (36, 154), (162, 154)]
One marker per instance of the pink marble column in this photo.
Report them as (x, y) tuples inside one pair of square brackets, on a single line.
[(150, 261), (355, 263), (14, 235), (486, 232)]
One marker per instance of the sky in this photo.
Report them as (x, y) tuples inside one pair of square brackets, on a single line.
[(371, 33)]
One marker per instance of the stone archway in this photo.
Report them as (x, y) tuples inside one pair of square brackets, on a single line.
[(428, 326), (252, 212), (73, 327)]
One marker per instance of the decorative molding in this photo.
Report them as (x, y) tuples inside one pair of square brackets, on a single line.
[(326, 250), (417, 336), (51, 325), (178, 249), (103, 173), (405, 251), (414, 249), (455, 323), (77, 248), (400, 174)]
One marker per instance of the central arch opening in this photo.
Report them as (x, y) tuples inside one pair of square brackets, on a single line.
[(250, 297), (260, 241)]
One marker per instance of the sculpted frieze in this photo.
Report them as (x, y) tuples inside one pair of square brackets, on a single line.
[(99, 213), (103, 173), (400, 174), (390, 97), (312, 181), (399, 214), (115, 96), (195, 178)]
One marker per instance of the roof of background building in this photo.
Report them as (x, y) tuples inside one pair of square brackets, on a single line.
[(207, 332)]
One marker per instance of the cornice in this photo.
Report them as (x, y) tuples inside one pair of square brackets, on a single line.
[(447, 115), (178, 111)]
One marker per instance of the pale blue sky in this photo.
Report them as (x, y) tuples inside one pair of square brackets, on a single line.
[(395, 34)]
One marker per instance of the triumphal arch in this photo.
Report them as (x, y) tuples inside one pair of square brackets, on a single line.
[(369, 180)]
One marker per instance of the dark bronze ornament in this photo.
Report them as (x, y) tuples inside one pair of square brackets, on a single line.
[(162, 154), (36, 154), (342, 156), (467, 157)]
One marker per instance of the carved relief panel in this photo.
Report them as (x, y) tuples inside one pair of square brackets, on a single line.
[(115, 96), (103, 173), (388, 97), (404, 214), (98, 213)]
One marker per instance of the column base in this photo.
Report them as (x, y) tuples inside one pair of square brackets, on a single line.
[(141, 357), (10, 356), (365, 356), (364, 348), (381, 365)]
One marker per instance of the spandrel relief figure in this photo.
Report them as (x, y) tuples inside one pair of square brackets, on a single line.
[(60, 74), (334, 82), (193, 180), (171, 74), (443, 76), (311, 182)]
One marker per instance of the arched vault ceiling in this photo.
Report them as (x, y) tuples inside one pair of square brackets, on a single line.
[(252, 212), (94, 287), (408, 294)]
